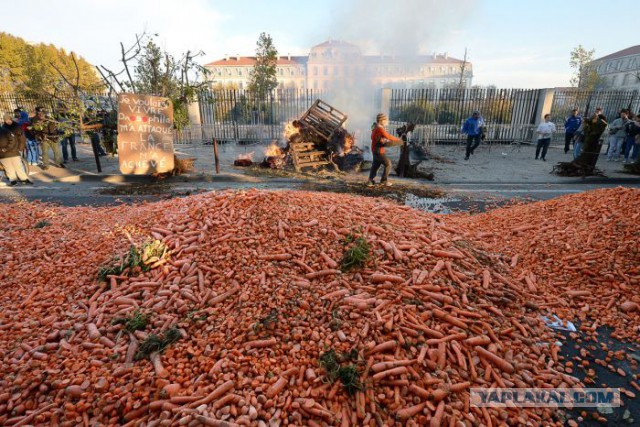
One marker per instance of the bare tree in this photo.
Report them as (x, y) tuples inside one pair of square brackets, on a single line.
[(463, 68)]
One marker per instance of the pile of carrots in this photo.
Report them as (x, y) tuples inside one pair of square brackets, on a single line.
[(270, 329), (577, 256)]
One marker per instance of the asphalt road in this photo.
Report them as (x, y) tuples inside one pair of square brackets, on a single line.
[(458, 196)]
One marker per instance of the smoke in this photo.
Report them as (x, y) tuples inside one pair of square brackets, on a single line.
[(404, 27), (402, 30)]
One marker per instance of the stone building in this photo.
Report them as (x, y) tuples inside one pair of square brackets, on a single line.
[(619, 70), (337, 64)]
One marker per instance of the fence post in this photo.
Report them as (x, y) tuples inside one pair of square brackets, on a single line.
[(545, 101)]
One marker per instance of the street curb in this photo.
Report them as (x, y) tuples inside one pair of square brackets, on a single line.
[(146, 179), (130, 179)]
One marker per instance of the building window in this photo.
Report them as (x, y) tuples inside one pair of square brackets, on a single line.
[(315, 71), (315, 84), (325, 71), (335, 71)]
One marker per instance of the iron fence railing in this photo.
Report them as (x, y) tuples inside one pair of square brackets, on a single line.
[(239, 115), (52, 103)]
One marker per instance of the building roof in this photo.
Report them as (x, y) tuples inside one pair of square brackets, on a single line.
[(329, 43), (249, 61), (633, 50), (417, 59)]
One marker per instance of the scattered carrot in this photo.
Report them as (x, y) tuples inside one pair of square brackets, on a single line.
[(452, 302)]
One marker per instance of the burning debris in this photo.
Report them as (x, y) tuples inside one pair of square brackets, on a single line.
[(244, 160), (274, 157), (318, 139)]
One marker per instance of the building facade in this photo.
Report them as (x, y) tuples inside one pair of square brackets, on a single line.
[(619, 70), (337, 64)]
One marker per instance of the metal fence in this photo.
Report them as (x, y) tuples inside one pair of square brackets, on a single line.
[(511, 114), (611, 101), (439, 113), (51, 103), (240, 116)]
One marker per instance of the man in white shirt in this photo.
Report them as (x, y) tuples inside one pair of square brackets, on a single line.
[(545, 131)]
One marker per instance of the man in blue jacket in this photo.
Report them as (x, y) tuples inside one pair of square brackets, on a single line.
[(473, 127), (571, 126)]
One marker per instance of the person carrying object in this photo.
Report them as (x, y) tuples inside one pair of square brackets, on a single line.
[(46, 131), (379, 139)]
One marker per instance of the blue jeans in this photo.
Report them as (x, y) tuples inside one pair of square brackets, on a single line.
[(33, 151), (577, 149), (630, 148), (69, 140), (615, 147)]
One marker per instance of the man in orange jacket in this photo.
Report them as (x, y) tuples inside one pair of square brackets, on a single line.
[(379, 138)]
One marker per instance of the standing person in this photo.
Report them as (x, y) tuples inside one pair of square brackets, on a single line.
[(473, 127), (617, 135), (10, 156), (633, 140), (571, 126), (32, 150), (68, 137), (379, 139), (545, 130), (46, 131)]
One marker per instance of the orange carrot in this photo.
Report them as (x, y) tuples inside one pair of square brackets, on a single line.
[(409, 412), (496, 360)]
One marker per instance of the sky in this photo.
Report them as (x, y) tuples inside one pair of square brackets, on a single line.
[(510, 43)]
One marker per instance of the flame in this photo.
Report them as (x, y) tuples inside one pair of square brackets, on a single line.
[(289, 131), (272, 151), (349, 142), (246, 156)]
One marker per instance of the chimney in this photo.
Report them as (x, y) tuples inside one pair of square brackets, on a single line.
[(446, 55), (289, 56), (226, 56), (237, 56)]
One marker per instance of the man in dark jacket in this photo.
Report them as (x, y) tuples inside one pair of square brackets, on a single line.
[(10, 157), (571, 126), (46, 131), (473, 127)]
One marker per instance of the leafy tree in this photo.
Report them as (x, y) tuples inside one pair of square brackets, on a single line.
[(585, 76), (40, 69), (264, 77), (418, 112)]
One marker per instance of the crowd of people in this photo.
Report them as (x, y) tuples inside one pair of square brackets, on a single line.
[(35, 137), (623, 137)]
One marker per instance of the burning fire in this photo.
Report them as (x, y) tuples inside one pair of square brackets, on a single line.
[(289, 131), (246, 156), (273, 151)]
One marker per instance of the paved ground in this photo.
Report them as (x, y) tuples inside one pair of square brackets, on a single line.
[(493, 174)]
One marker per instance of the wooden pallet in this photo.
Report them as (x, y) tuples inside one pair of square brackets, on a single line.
[(323, 120), (305, 155)]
